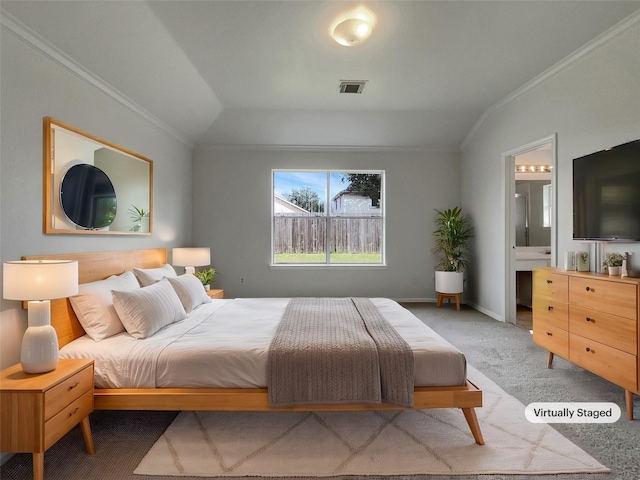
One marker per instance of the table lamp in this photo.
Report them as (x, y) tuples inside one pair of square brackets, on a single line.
[(39, 281), (189, 258)]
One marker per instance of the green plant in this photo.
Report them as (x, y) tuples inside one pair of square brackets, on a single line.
[(206, 275), (613, 259), (136, 215), (452, 237)]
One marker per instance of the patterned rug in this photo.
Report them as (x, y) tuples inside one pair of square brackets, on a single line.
[(365, 443)]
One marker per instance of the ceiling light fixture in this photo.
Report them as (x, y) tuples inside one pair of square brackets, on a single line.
[(352, 31), (353, 27)]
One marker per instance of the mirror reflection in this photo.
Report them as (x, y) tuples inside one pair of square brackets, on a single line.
[(533, 227), (87, 197), (93, 186), (534, 202)]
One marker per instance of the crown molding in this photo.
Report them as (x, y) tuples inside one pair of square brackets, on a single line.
[(326, 148), (566, 62), (17, 29)]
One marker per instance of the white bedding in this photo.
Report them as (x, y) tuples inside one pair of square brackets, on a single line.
[(224, 344)]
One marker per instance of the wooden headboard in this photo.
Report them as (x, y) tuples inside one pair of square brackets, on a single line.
[(94, 266)]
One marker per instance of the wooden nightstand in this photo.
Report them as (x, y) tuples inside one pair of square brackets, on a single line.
[(36, 410), (215, 293)]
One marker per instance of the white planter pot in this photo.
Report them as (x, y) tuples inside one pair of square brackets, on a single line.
[(613, 271), (449, 282)]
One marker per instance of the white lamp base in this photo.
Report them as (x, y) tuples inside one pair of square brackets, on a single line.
[(191, 270), (39, 351)]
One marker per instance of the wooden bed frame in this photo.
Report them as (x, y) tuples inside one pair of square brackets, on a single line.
[(100, 265)]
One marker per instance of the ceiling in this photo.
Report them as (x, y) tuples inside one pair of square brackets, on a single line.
[(267, 72)]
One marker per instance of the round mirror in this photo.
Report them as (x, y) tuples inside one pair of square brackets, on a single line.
[(87, 196)]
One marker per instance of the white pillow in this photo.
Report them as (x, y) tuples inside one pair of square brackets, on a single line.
[(190, 291), (94, 305), (145, 311), (149, 276)]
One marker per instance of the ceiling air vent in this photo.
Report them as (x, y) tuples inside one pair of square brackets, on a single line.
[(352, 86)]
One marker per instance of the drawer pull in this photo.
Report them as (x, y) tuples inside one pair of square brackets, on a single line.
[(550, 307), (74, 386), (549, 281), (74, 412), (590, 289), (588, 349), (549, 333), (590, 320)]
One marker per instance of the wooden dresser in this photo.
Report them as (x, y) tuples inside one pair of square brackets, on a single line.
[(591, 320)]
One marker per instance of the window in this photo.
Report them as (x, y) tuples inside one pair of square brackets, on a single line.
[(328, 217)]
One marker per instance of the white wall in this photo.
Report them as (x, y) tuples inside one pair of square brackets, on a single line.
[(591, 104), (232, 205), (32, 87)]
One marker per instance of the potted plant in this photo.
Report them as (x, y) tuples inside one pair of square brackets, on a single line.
[(138, 216), (613, 262), (451, 236), (206, 276)]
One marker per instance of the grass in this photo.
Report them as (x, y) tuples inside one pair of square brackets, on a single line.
[(321, 258)]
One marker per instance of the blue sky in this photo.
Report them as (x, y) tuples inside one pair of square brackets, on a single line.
[(284, 182)]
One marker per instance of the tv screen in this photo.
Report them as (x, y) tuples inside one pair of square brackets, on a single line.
[(606, 194)]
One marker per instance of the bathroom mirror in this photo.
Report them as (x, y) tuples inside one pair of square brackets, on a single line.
[(94, 187), (533, 227)]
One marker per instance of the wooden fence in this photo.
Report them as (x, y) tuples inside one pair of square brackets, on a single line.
[(308, 235)]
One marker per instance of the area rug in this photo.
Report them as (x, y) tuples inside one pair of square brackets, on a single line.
[(407, 442)]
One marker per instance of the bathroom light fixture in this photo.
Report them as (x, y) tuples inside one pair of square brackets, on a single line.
[(191, 258), (352, 31), (39, 281), (533, 168)]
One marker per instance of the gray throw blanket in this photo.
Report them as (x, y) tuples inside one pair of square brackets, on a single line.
[(337, 351)]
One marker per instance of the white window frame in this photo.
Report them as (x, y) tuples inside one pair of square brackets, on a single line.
[(327, 218)]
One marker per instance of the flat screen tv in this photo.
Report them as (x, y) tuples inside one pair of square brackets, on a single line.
[(606, 194)]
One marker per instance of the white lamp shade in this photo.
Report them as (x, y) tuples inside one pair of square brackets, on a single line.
[(191, 257), (39, 279)]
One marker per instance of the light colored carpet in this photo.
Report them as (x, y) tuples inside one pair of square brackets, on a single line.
[(365, 443)]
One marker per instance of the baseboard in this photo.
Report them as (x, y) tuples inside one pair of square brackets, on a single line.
[(414, 300), (488, 313)]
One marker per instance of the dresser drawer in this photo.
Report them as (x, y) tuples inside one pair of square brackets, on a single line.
[(614, 331), (551, 285), (551, 338), (551, 311), (67, 418), (606, 296), (615, 365), (67, 391)]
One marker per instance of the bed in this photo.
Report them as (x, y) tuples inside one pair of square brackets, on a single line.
[(221, 390)]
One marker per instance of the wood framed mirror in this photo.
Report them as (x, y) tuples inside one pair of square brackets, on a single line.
[(94, 187)]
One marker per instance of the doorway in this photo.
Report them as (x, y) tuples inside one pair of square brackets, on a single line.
[(530, 222)]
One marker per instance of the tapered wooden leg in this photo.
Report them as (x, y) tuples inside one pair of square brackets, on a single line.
[(38, 465), (86, 433), (550, 360), (472, 420), (457, 301), (439, 302), (628, 395)]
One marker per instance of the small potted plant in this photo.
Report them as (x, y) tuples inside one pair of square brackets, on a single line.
[(206, 276), (138, 216), (452, 237), (613, 262)]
